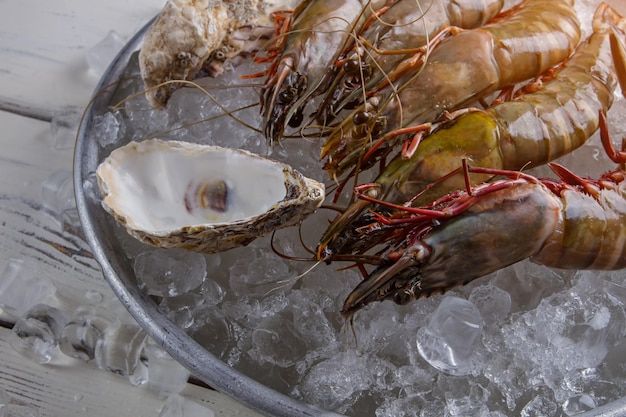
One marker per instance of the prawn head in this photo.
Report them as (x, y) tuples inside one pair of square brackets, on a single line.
[(499, 229)]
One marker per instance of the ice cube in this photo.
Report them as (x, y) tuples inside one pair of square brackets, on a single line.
[(212, 291), (415, 380), (213, 330), (36, 335), (93, 297), (91, 188), (130, 246), (70, 223), (334, 384), (57, 192), (179, 406), (22, 286), (64, 126), (493, 303), (86, 330), (433, 408), (464, 397), (145, 121), (140, 375), (578, 404), (373, 332), (269, 342), (529, 283), (448, 340), (592, 338), (182, 309), (165, 375), (600, 319), (169, 272), (311, 323), (573, 329), (324, 291), (541, 405), (101, 54), (113, 305), (251, 312), (120, 349), (259, 276), (108, 128), (402, 406)]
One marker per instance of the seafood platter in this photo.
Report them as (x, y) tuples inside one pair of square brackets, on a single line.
[(398, 208)]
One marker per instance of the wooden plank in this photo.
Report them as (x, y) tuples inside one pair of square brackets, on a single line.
[(28, 231), (74, 388), (43, 46)]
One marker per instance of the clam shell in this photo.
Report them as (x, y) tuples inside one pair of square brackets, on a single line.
[(202, 198)]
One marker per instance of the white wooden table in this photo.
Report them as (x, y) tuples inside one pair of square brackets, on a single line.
[(42, 70)]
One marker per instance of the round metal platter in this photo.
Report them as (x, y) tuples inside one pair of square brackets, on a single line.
[(118, 271)]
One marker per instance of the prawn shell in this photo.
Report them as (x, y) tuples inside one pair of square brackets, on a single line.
[(591, 234)]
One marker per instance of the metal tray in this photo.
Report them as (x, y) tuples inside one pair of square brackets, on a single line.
[(120, 275)]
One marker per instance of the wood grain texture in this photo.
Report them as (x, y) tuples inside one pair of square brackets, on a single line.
[(30, 232), (43, 46), (72, 388)]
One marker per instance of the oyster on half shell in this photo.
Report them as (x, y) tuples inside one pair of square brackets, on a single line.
[(202, 198)]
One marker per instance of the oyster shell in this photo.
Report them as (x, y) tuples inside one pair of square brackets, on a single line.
[(202, 198), (190, 35)]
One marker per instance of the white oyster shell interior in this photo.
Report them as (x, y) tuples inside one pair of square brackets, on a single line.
[(163, 188)]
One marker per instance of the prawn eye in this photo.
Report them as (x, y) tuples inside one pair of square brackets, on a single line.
[(287, 95), (352, 66), (403, 297), (361, 117)]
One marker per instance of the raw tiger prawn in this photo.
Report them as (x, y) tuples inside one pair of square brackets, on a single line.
[(405, 27), (571, 223), (318, 32), (530, 130), (519, 45)]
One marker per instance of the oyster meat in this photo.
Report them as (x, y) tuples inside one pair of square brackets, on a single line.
[(202, 198)]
